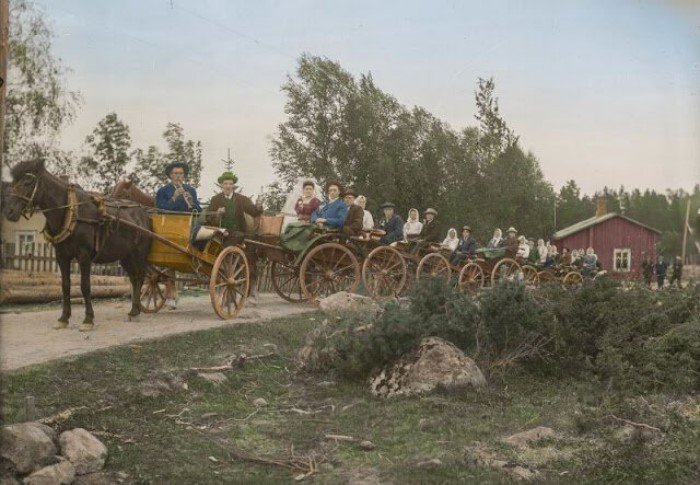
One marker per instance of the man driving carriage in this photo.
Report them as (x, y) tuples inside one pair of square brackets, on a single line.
[(466, 247)]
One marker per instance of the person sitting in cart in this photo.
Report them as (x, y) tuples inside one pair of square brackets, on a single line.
[(496, 240), (523, 252), (534, 256), (511, 242), (331, 214), (392, 225), (466, 248), (177, 195), (307, 203), (352, 227)]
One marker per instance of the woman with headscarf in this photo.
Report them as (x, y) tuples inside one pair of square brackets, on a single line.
[(307, 202), (413, 226), (451, 241), (496, 240), (523, 248), (367, 220), (541, 251)]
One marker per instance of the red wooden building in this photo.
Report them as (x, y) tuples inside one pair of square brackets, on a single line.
[(621, 243)]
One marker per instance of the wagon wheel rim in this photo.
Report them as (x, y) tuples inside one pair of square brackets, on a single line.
[(506, 269), (545, 277), (229, 282), (434, 265), (471, 277), (285, 282), (329, 268), (152, 296), (530, 276), (384, 272), (573, 279)]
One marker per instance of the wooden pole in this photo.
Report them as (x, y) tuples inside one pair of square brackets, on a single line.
[(685, 230)]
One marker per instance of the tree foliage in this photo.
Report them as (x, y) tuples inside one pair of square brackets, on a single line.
[(109, 146)]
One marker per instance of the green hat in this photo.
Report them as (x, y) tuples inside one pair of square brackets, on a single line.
[(228, 176)]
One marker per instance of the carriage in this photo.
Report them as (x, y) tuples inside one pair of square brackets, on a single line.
[(567, 275)]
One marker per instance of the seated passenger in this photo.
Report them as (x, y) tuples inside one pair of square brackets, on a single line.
[(590, 262), (552, 256), (451, 241), (307, 203), (353, 222), (465, 248), (565, 257), (495, 241), (413, 226), (331, 213), (533, 258), (392, 225), (511, 242), (429, 234), (523, 251), (541, 252), (367, 219)]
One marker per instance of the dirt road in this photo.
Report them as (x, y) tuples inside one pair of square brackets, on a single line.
[(27, 338)]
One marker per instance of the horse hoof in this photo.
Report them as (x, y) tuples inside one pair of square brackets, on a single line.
[(86, 327), (59, 325)]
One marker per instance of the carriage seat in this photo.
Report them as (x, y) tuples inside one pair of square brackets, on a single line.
[(205, 233)]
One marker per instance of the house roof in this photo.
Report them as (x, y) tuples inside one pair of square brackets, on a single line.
[(592, 221)]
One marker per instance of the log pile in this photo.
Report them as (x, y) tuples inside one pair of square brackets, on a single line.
[(21, 287)]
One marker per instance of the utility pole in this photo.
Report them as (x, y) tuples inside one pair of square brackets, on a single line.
[(686, 223), (4, 51)]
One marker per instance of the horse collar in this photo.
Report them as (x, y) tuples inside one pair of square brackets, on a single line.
[(69, 221)]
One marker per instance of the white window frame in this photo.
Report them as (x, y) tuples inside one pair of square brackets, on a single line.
[(617, 251), (19, 248)]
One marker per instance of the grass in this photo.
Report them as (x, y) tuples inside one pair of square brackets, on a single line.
[(170, 437)]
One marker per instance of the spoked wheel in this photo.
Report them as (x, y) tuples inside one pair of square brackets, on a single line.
[(546, 277), (471, 277), (530, 277), (285, 282), (573, 279), (329, 268), (153, 290), (229, 282), (384, 272), (434, 265), (506, 269)]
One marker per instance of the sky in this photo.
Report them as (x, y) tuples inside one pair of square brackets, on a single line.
[(605, 93)]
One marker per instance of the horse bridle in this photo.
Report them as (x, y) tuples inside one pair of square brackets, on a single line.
[(28, 209)]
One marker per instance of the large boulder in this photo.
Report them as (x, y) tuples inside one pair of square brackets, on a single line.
[(434, 363), (28, 446), (348, 302), (84, 451), (62, 473)]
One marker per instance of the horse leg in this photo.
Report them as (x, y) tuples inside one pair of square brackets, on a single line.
[(64, 266), (136, 275), (85, 267)]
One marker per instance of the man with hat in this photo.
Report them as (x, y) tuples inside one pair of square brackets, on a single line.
[(355, 217), (391, 224), (331, 213), (429, 234), (511, 242), (177, 195), (466, 247)]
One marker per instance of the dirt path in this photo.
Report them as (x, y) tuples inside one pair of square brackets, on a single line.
[(27, 338)]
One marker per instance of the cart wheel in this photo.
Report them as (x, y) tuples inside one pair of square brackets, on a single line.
[(530, 277), (329, 268), (285, 282), (573, 279), (506, 269), (384, 272), (229, 282), (546, 277), (434, 265), (471, 277), (152, 290)]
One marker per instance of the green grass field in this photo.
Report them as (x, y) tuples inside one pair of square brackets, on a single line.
[(165, 425)]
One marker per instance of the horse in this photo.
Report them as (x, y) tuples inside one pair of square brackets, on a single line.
[(82, 226)]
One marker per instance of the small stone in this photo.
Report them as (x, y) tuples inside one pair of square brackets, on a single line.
[(28, 446), (523, 439), (87, 453), (259, 402), (431, 464), (62, 473), (367, 445)]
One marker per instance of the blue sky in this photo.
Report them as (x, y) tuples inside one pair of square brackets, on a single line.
[(605, 93)]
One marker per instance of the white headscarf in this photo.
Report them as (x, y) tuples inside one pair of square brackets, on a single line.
[(294, 194), (451, 242)]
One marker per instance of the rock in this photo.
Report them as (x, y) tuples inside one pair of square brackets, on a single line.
[(435, 362), (216, 378), (523, 439), (259, 402), (62, 473), (430, 464), (98, 478), (367, 445), (86, 452), (28, 446), (518, 472), (629, 433), (8, 480), (352, 302)]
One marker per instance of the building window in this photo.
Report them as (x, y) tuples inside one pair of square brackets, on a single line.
[(24, 241), (622, 260)]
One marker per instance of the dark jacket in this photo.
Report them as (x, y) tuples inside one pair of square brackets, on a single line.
[(466, 246), (164, 199), (241, 205), (430, 231), (353, 222), (393, 228), (511, 245), (333, 212)]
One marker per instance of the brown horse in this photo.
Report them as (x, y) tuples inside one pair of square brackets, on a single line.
[(84, 227)]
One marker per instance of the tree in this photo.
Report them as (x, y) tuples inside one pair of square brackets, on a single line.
[(38, 102), (273, 197), (495, 136), (109, 146), (571, 206)]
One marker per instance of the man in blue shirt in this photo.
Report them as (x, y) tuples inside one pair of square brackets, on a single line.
[(392, 225), (331, 214), (177, 195)]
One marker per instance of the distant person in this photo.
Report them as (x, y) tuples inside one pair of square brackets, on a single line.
[(451, 241), (307, 202), (511, 242), (647, 271), (331, 214), (533, 257), (367, 219), (466, 247), (496, 240), (541, 251), (660, 269), (589, 264), (565, 258), (677, 272), (523, 252), (413, 226), (429, 234), (391, 224), (353, 222)]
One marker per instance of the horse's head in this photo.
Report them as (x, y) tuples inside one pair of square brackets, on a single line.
[(25, 184)]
